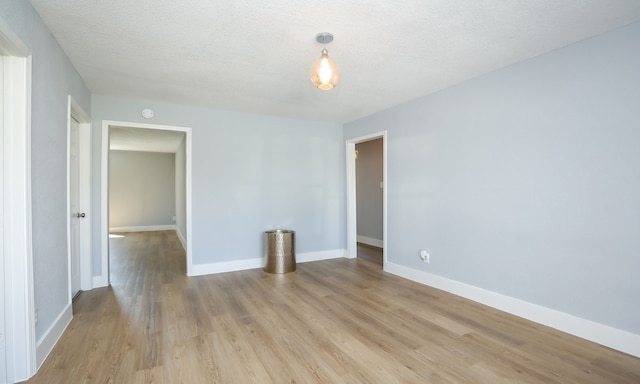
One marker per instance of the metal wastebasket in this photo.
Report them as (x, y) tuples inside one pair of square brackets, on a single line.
[(280, 251)]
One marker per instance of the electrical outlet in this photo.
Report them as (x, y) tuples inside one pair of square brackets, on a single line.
[(425, 256)]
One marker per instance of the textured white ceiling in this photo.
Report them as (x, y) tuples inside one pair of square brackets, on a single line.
[(254, 56)]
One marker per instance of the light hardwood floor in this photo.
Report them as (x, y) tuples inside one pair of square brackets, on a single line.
[(334, 321), (370, 253)]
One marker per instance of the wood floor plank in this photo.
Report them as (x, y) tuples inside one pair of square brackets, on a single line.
[(332, 321), (370, 253), (149, 376)]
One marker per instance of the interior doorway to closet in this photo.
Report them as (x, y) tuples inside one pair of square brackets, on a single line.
[(366, 198)]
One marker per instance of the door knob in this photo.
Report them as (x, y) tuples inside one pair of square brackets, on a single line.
[(79, 215)]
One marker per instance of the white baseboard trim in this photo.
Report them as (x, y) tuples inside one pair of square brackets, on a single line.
[(241, 265), (317, 256), (144, 228), (620, 340), (370, 241), (225, 266), (45, 345), (182, 239), (99, 281)]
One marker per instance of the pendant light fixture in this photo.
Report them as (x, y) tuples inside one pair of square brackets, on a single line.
[(325, 73)]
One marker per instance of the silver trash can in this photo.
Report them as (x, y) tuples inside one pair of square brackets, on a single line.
[(280, 251)]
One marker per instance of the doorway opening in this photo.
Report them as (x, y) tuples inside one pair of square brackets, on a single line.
[(369, 190), (367, 197), (127, 148)]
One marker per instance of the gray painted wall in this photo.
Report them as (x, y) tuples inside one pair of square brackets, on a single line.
[(250, 173), (142, 188), (526, 181), (368, 191), (53, 79)]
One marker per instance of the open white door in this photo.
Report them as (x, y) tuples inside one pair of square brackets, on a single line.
[(76, 214), (79, 195)]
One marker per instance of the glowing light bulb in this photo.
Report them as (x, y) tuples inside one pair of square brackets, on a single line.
[(325, 73)]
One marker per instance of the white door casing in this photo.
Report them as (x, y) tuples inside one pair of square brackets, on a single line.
[(352, 229), (103, 279), (3, 343), (18, 317)]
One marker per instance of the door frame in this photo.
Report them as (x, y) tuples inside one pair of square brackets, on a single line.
[(19, 315), (74, 110), (103, 279), (352, 213)]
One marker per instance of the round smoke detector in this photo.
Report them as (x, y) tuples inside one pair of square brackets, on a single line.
[(147, 113)]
